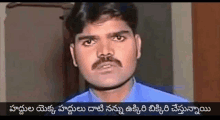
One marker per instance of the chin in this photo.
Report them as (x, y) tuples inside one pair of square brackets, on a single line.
[(104, 87), (108, 83)]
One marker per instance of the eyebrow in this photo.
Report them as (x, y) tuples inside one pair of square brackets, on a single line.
[(118, 33), (109, 35), (86, 37)]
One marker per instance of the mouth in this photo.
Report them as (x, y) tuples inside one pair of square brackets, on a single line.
[(105, 66)]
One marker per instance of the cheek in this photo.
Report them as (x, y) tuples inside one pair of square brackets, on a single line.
[(127, 54), (84, 58)]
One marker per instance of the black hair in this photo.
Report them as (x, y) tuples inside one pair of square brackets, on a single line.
[(83, 13)]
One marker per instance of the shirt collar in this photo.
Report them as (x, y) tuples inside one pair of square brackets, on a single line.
[(129, 98)]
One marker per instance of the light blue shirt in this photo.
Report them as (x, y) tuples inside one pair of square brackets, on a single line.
[(138, 93)]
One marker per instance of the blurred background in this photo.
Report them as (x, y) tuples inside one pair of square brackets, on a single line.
[(36, 65)]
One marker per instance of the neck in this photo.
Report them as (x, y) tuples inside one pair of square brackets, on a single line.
[(115, 95)]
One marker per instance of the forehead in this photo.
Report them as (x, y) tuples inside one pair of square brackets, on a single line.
[(106, 27)]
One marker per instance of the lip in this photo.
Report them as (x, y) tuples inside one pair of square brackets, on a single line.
[(101, 66)]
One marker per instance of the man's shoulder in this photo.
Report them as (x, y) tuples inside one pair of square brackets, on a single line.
[(152, 94), (146, 93)]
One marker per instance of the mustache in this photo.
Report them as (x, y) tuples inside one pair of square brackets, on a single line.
[(106, 59)]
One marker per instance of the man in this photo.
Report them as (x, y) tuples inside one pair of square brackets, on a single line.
[(105, 47)]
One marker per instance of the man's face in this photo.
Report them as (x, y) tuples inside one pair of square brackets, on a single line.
[(106, 53)]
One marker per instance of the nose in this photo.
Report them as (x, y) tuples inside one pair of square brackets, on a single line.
[(105, 49)]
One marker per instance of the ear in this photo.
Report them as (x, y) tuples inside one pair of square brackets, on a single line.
[(138, 45), (72, 53)]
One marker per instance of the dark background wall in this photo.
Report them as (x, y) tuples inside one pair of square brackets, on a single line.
[(154, 27), (34, 54)]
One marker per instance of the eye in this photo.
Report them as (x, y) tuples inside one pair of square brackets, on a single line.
[(118, 38), (89, 42)]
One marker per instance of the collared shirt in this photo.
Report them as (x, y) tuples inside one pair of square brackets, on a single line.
[(138, 93)]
